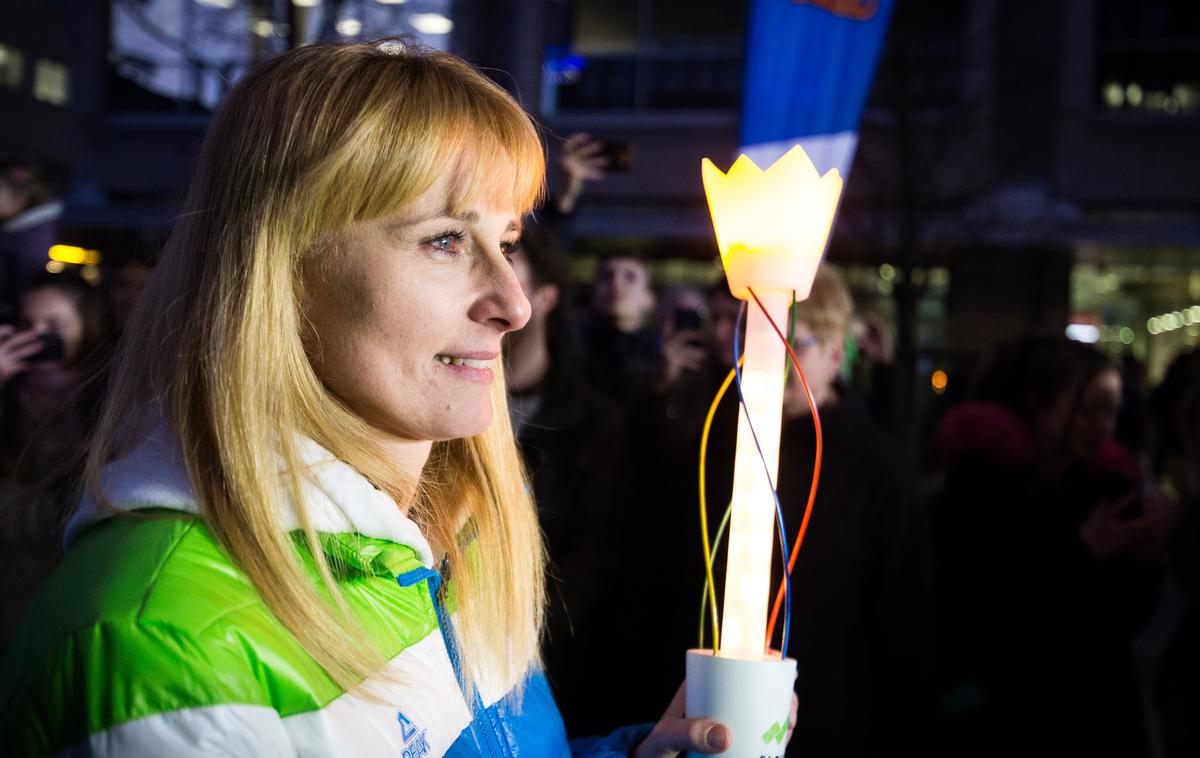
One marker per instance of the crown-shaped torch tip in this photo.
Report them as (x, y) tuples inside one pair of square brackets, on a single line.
[(772, 225)]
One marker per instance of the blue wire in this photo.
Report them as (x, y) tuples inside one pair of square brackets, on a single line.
[(787, 579)]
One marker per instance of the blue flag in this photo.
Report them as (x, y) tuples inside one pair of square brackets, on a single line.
[(809, 65)]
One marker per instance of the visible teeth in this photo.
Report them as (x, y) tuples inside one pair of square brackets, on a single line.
[(468, 362)]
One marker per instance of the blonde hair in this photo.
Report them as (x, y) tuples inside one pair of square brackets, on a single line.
[(307, 143), (828, 309)]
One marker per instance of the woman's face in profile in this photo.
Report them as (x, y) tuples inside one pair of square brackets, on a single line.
[(406, 316)]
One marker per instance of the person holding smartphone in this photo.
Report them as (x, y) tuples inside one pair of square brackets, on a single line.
[(45, 361)]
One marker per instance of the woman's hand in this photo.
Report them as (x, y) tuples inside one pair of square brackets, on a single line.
[(675, 733), (15, 347)]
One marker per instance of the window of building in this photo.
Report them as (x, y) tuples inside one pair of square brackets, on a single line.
[(51, 82), (11, 67), (1146, 60), (644, 55), (168, 55)]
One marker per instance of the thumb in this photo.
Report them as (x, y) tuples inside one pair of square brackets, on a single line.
[(670, 738)]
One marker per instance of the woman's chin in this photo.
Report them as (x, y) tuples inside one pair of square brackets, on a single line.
[(462, 426)]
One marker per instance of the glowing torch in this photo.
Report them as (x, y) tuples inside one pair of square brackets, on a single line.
[(771, 228)]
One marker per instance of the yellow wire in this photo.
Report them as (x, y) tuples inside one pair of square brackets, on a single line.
[(708, 559)]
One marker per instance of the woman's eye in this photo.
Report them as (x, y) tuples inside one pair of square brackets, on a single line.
[(510, 248), (448, 242)]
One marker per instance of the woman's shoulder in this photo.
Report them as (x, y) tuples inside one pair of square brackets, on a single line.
[(147, 616), (140, 572)]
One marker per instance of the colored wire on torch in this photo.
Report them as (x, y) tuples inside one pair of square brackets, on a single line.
[(709, 584), (708, 587), (784, 592), (783, 549)]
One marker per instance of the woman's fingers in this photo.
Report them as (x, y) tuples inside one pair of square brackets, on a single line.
[(670, 738), (14, 349), (674, 733), (793, 717), (12, 339)]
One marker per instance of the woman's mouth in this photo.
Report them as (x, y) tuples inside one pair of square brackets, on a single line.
[(451, 360), (477, 370)]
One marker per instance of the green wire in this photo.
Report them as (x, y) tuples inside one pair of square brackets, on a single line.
[(716, 546)]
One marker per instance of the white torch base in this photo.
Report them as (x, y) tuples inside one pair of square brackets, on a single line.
[(752, 698)]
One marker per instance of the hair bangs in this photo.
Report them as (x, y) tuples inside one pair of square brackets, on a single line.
[(500, 165), (463, 125)]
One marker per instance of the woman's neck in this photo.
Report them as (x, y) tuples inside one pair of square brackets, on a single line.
[(407, 458)]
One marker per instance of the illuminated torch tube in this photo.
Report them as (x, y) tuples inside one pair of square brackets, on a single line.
[(771, 228)]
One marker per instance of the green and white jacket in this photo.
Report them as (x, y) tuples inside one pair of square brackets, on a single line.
[(148, 640)]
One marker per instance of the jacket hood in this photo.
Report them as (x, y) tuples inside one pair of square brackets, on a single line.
[(337, 498)]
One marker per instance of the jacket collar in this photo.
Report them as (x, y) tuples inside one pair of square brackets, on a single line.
[(338, 499)]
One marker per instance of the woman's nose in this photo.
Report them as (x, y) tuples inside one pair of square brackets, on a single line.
[(502, 303)]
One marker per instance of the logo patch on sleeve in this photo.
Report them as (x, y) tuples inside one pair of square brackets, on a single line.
[(415, 744)]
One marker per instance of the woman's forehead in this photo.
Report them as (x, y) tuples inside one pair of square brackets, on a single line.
[(453, 196)]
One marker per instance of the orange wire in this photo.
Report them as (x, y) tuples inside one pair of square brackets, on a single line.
[(816, 478)]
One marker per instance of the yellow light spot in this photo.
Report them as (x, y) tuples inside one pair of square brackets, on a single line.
[(887, 272), (75, 255), (938, 380), (90, 274), (1114, 95), (54, 267), (1134, 94)]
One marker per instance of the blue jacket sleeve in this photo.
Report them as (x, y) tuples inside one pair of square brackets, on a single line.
[(619, 743)]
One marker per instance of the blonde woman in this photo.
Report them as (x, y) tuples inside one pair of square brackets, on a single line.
[(308, 531)]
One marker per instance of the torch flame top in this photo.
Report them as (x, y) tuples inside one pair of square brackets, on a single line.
[(771, 225)]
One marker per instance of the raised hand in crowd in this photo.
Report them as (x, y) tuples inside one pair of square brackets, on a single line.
[(582, 161), (682, 351), (16, 347), (1109, 530)]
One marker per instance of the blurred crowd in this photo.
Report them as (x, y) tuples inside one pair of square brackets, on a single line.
[(989, 608)]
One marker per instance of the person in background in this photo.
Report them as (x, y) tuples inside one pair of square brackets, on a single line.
[(622, 350), (1044, 541), (29, 214), (48, 394), (873, 370), (1177, 687), (573, 443), (664, 549)]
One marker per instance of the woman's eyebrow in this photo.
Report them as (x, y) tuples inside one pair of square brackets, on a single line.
[(467, 217), (471, 217)]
